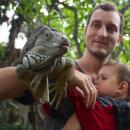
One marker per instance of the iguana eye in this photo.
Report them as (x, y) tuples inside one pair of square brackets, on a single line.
[(48, 34)]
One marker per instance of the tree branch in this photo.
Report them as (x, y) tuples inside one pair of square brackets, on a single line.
[(122, 11), (75, 33)]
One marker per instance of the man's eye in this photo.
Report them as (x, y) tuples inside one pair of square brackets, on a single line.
[(111, 28), (96, 25)]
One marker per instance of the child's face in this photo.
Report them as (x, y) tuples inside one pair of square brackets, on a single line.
[(107, 83)]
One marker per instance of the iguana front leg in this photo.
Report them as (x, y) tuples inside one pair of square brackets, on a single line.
[(35, 82), (65, 76)]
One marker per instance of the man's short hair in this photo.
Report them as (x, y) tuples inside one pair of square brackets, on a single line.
[(108, 6)]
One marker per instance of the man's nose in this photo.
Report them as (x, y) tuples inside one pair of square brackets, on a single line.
[(102, 31)]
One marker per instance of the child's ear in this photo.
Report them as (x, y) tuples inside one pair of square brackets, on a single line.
[(123, 89)]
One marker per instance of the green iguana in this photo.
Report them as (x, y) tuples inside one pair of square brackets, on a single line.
[(42, 55)]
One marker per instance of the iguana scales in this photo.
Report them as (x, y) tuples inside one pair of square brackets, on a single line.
[(42, 55)]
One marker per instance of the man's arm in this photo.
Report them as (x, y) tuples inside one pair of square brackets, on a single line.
[(10, 86), (72, 123)]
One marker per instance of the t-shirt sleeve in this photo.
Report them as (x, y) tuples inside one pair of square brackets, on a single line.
[(101, 117)]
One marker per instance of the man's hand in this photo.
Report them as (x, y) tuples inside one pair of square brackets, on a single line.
[(85, 87)]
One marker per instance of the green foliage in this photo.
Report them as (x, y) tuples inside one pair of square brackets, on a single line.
[(15, 126), (2, 51), (68, 16), (125, 54), (8, 120)]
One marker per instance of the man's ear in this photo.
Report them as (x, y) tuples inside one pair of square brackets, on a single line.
[(119, 42), (85, 29), (122, 89), (120, 39), (85, 34)]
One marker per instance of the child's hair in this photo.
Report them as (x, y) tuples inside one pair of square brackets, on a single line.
[(123, 73)]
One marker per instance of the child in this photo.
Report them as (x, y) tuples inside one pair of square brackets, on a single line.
[(113, 80)]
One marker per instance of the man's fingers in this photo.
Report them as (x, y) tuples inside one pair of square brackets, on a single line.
[(89, 93), (80, 92), (84, 82), (93, 94)]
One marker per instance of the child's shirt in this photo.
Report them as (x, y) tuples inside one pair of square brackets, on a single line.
[(108, 114)]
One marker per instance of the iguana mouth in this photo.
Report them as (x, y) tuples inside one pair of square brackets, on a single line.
[(65, 45)]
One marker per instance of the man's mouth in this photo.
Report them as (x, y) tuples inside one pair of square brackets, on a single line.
[(100, 43)]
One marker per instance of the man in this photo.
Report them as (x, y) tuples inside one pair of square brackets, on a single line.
[(102, 33)]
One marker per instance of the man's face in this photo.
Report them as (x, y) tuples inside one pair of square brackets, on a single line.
[(107, 82), (102, 32)]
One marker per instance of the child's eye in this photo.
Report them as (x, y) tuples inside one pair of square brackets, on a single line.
[(104, 78)]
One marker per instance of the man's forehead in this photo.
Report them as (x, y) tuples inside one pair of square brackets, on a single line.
[(105, 16)]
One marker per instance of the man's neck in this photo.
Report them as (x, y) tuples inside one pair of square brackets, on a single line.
[(90, 64)]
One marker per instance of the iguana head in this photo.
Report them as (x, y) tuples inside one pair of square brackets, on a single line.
[(48, 38), (43, 46), (52, 41)]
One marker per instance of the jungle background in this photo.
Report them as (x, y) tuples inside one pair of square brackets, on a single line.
[(67, 16)]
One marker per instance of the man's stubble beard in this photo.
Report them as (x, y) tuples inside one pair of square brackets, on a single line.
[(100, 56)]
